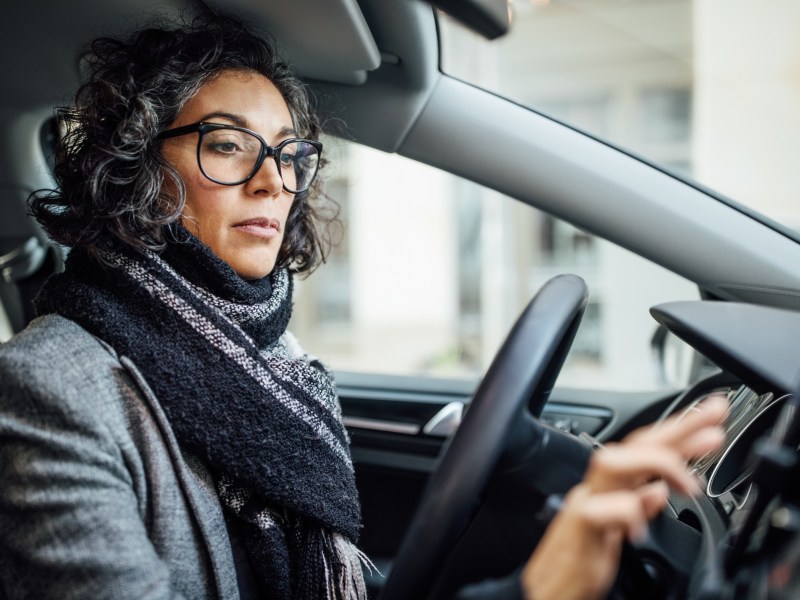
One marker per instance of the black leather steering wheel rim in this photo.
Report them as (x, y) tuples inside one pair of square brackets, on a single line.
[(518, 380)]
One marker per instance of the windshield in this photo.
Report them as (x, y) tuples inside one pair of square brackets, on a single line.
[(707, 88)]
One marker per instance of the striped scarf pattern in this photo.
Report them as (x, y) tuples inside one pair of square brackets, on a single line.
[(239, 393)]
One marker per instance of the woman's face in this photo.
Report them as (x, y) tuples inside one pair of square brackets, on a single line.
[(243, 224)]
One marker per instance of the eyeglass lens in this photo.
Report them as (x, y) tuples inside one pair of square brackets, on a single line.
[(230, 156)]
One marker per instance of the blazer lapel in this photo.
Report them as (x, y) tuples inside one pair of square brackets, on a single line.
[(199, 490)]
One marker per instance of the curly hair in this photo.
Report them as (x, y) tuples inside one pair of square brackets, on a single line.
[(109, 169)]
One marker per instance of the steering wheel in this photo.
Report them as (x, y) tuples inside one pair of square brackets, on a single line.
[(500, 422)]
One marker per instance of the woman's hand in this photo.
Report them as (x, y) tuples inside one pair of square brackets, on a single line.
[(624, 487)]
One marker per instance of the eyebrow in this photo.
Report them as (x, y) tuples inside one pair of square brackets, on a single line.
[(240, 121)]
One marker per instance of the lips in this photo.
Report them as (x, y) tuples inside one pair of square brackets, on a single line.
[(264, 227)]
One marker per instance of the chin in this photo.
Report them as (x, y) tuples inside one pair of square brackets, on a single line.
[(252, 272), (252, 275)]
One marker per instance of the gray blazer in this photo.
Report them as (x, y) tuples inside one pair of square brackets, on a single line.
[(97, 500)]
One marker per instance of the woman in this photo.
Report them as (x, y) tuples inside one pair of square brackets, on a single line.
[(188, 447), (169, 325)]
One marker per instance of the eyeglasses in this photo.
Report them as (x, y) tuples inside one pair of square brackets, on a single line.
[(231, 155)]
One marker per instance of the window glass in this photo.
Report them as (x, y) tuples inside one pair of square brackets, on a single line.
[(709, 88), (429, 278)]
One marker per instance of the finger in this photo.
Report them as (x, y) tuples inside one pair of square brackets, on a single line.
[(701, 442), (622, 467), (692, 435), (654, 498), (714, 406), (709, 413), (619, 511)]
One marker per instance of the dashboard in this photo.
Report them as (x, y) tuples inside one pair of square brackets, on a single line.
[(749, 516)]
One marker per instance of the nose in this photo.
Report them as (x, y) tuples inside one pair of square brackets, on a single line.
[(267, 179)]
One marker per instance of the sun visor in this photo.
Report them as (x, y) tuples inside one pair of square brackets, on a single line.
[(756, 343), (341, 48)]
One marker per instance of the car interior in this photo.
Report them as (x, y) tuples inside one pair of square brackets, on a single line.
[(455, 475)]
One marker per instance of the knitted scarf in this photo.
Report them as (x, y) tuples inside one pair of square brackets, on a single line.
[(240, 394)]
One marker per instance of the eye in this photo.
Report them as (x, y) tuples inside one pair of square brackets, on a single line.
[(224, 147), (287, 159), (228, 142)]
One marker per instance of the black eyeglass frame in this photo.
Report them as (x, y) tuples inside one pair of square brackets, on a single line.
[(266, 150)]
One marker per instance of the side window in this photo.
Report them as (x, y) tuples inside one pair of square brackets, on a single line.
[(432, 271)]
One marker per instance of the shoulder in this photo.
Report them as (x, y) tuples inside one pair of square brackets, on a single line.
[(47, 337), (90, 475), (55, 367), (54, 348)]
